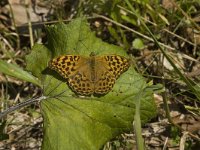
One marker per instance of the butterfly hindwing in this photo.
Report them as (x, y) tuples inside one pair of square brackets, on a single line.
[(105, 83), (81, 85)]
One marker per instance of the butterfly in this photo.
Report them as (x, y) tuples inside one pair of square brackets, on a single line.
[(93, 75)]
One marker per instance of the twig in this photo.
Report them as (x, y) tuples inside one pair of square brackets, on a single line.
[(185, 14), (20, 105), (15, 27), (183, 139), (154, 24), (181, 38), (29, 24), (127, 28)]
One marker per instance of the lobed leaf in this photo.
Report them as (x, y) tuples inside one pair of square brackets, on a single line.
[(74, 122)]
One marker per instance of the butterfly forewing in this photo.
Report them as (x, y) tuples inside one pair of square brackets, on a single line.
[(117, 64), (65, 65)]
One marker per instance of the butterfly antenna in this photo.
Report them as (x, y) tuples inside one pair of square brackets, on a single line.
[(59, 94), (81, 37)]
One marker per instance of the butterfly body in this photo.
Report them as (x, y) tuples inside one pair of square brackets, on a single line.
[(90, 75)]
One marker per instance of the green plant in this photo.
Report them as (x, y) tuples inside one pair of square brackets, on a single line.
[(73, 122)]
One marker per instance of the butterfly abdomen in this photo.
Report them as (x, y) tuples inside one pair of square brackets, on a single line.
[(92, 64)]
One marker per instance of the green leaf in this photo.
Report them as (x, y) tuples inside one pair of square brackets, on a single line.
[(38, 60), (129, 19), (17, 72), (3, 136), (138, 44), (77, 122), (114, 34)]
